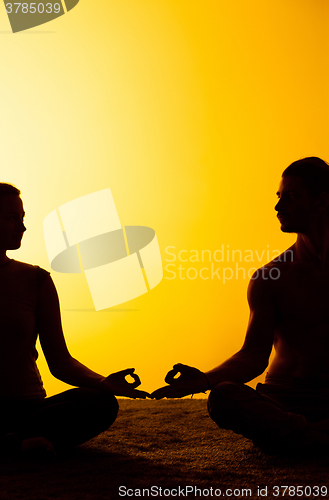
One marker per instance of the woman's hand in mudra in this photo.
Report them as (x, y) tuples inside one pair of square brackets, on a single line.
[(119, 386)]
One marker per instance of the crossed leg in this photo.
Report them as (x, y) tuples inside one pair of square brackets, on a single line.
[(65, 420), (263, 418)]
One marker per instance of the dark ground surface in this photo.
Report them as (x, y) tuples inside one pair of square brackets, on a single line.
[(168, 443)]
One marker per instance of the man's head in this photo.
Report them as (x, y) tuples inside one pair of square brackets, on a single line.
[(304, 195), (8, 190), (11, 217)]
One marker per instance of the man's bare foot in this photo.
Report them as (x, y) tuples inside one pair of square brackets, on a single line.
[(319, 441), (322, 426)]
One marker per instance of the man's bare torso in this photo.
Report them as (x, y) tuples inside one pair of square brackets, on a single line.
[(301, 337)]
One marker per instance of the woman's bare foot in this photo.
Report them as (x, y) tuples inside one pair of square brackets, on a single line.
[(10, 445), (37, 447)]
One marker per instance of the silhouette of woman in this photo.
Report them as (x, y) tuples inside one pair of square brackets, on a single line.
[(29, 307)]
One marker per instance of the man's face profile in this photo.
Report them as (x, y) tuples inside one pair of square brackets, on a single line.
[(296, 207), (11, 222)]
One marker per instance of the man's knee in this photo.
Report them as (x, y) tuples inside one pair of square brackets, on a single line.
[(224, 401), (223, 393)]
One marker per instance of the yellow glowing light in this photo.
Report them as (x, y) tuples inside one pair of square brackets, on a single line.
[(189, 111)]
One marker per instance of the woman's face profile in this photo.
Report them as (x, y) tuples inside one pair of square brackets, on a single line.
[(11, 222)]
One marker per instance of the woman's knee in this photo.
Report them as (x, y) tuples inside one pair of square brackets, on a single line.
[(106, 406), (113, 408), (98, 406)]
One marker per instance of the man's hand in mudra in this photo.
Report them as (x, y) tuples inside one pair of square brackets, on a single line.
[(190, 381)]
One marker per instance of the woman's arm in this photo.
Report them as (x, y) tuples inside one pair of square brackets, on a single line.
[(61, 364)]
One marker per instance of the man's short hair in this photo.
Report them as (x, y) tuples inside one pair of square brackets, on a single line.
[(313, 171), (7, 190)]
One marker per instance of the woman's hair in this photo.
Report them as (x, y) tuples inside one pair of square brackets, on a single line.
[(8, 190), (313, 171)]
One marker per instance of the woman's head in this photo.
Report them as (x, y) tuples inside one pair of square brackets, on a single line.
[(11, 217)]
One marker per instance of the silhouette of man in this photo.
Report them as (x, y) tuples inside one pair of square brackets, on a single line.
[(291, 312), (29, 307)]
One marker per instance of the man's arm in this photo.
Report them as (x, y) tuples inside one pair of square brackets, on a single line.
[(61, 363), (252, 359), (246, 364)]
